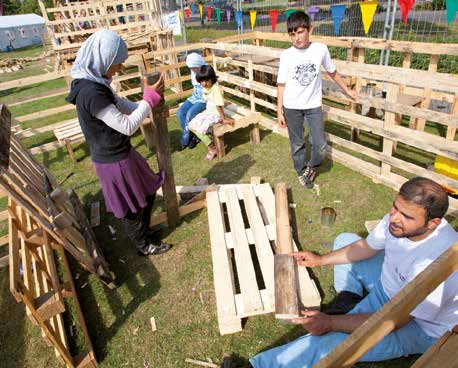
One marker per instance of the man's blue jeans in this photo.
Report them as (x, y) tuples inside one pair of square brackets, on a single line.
[(295, 124), (308, 350), (185, 114)]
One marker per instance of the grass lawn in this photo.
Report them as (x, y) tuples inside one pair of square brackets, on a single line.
[(168, 286)]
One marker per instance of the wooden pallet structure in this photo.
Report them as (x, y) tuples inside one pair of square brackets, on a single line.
[(44, 220), (138, 22), (241, 221)]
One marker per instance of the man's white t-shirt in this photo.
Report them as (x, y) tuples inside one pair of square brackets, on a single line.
[(300, 71), (405, 259)]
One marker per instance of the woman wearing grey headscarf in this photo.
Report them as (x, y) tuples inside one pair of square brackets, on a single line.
[(107, 121)]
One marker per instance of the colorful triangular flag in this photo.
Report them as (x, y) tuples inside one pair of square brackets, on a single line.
[(252, 18), (238, 18), (452, 9), (209, 13), (273, 14), (405, 6), (187, 13), (288, 12), (338, 12), (193, 8), (368, 10), (312, 11), (228, 15), (201, 10), (218, 15)]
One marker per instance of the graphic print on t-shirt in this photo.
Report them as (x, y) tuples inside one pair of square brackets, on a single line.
[(305, 73)]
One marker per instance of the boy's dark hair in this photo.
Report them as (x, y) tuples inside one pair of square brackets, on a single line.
[(298, 19), (427, 194), (206, 72)]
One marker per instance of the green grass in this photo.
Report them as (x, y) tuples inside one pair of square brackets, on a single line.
[(168, 286)]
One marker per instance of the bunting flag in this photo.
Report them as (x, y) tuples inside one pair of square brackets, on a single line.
[(228, 15), (405, 6), (238, 18), (193, 8), (252, 18), (452, 9), (312, 11), (187, 13), (201, 10), (273, 14), (218, 15), (368, 10), (288, 12), (338, 12), (180, 14), (209, 13)]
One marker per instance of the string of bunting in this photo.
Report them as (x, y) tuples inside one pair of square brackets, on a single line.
[(368, 9)]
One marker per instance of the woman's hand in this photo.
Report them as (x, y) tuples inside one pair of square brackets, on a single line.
[(159, 86), (152, 93)]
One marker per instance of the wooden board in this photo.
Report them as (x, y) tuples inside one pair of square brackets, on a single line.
[(241, 221)]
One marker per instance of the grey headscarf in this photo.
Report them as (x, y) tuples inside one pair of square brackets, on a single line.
[(100, 51)]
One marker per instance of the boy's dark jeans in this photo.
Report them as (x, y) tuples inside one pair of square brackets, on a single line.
[(295, 123), (136, 224)]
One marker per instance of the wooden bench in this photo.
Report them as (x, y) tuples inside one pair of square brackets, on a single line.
[(68, 133), (243, 118)]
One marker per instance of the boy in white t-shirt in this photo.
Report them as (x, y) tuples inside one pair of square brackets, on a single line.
[(299, 95)]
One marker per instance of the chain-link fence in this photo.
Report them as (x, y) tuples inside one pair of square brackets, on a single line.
[(426, 22)]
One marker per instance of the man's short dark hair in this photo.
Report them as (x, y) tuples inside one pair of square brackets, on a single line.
[(206, 72), (427, 194), (298, 19)]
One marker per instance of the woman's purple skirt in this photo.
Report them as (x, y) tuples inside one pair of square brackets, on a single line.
[(126, 183)]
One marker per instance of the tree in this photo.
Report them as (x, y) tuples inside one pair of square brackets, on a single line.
[(10, 7), (13, 7)]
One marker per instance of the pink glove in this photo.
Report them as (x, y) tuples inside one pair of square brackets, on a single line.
[(151, 96)]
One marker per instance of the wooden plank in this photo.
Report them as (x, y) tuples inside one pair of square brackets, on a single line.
[(240, 122), (48, 305), (393, 313), (95, 214), (244, 264), (388, 123), (27, 81), (441, 354), (42, 114), (393, 161), (286, 301), (261, 241), (222, 269), (422, 140)]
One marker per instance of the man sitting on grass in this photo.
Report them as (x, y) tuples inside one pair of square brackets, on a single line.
[(409, 238)]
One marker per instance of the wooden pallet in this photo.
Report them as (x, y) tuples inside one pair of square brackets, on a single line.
[(68, 133), (243, 257)]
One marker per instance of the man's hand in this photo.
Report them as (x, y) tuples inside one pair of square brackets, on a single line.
[(281, 121), (315, 322), (307, 259)]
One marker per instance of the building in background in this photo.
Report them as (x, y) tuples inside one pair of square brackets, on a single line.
[(22, 30)]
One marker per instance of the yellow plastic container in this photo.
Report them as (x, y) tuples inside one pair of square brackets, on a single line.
[(448, 167)]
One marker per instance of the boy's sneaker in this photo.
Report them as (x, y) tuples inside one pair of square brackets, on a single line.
[(301, 179), (307, 178), (310, 174)]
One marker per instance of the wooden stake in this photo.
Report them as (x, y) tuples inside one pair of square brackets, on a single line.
[(286, 300)]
